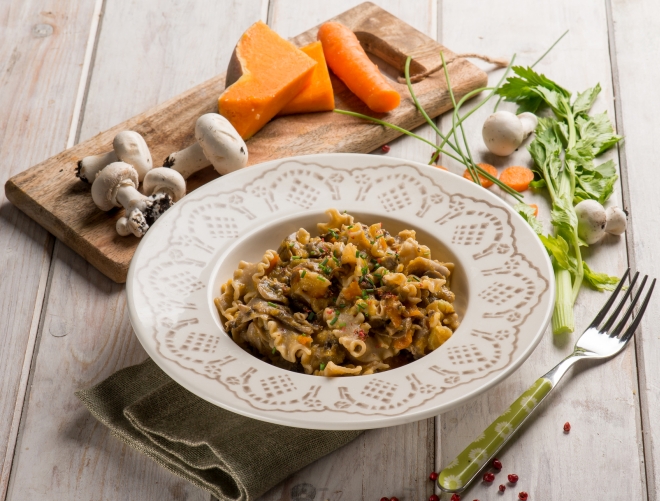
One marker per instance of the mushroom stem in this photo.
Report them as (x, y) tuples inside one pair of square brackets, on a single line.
[(90, 166), (218, 144), (132, 199), (188, 161)]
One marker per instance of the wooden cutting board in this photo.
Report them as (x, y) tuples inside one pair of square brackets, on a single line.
[(50, 193)]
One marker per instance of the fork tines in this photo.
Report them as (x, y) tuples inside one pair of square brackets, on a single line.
[(629, 311)]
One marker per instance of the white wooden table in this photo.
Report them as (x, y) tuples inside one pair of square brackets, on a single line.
[(71, 68)]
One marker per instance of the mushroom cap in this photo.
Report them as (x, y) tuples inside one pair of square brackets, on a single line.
[(592, 219), (616, 220), (222, 145), (502, 133), (164, 180), (131, 148), (109, 180)]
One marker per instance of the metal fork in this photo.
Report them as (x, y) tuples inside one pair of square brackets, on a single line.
[(597, 342)]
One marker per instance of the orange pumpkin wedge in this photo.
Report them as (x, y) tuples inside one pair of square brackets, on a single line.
[(318, 95), (264, 74)]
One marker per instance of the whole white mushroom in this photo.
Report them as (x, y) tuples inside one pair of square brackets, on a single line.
[(504, 132), (218, 144), (116, 186), (128, 146), (594, 222)]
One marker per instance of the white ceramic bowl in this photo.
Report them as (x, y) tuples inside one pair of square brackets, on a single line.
[(503, 283)]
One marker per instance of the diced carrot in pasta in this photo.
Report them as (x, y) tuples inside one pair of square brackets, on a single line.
[(352, 291), (306, 340), (404, 341), (517, 177), (486, 183)]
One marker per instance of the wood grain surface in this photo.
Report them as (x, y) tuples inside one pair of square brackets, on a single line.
[(77, 319), (42, 50), (50, 194), (631, 23)]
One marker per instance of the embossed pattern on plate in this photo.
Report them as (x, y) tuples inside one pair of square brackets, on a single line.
[(509, 289)]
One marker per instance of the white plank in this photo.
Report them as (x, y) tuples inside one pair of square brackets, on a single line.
[(42, 47), (602, 454), (393, 461), (143, 57), (636, 74)]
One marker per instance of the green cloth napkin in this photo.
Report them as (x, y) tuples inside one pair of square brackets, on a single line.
[(233, 457)]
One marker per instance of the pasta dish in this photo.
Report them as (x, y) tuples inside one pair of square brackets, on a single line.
[(354, 300)]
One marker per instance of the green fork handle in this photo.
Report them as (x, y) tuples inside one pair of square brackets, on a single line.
[(462, 470)]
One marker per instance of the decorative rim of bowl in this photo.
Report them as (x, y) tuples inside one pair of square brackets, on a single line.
[(174, 275)]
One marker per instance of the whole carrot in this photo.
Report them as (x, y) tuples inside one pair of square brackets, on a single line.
[(347, 59)]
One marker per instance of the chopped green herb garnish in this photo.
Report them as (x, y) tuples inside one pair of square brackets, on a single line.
[(334, 320), (272, 304), (322, 367), (311, 316), (319, 277), (334, 234), (324, 262), (357, 253), (342, 324), (380, 236), (364, 295), (302, 275), (274, 351), (291, 244), (336, 260), (368, 290), (360, 306), (365, 269), (349, 227), (296, 257)]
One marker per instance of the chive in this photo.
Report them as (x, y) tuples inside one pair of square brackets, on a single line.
[(349, 227), (336, 260), (319, 277), (342, 324), (296, 257), (291, 244), (272, 304), (325, 261), (274, 350), (368, 290), (364, 294), (360, 306), (380, 236), (311, 316), (322, 367), (302, 275), (334, 234), (365, 269), (357, 253), (334, 320)]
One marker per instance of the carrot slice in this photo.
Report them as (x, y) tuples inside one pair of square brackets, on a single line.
[(517, 177), (536, 209), (441, 167), (484, 182), (347, 59)]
